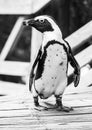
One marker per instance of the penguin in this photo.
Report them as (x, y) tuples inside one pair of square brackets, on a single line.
[(48, 75)]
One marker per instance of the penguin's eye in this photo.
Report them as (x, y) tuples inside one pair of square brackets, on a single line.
[(41, 21)]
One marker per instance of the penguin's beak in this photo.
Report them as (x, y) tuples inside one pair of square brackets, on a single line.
[(28, 22)]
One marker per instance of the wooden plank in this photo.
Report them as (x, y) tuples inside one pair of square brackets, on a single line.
[(21, 6), (85, 81), (38, 4), (30, 112), (51, 121), (14, 68), (13, 38), (15, 6), (13, 90), (79, 37), (71, 126), (83, 58), (53, 127)]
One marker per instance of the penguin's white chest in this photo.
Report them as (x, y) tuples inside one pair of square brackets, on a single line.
[(54, 76)]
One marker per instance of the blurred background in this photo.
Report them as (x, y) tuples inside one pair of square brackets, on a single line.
[(69, 14)]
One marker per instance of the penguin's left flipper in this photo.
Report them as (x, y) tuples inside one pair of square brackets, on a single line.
[(75, 65), (32, 73)]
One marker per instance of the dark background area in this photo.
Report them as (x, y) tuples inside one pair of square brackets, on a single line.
[(69, 14)]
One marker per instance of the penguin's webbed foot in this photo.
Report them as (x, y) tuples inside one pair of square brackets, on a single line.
[(40, 108), (37, 106), (64, 108), (60, 107)]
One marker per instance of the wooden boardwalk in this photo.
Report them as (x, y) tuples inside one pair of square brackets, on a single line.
[(17, 111)]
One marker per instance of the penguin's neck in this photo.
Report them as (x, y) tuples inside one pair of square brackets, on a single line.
[(49, 36)]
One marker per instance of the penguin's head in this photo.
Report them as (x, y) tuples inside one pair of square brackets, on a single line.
[(42, 23)]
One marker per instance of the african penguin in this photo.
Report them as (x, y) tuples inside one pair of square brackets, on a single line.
[(48, 75)]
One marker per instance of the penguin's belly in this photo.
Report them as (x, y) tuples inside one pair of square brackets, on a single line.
[(54, 76)]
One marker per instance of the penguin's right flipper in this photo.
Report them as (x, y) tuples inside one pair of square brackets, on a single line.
[(32, 73), (74, 64)]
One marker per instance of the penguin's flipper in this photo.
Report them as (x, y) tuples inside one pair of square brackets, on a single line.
[(31, 80), (75, 65), (32, 73)]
